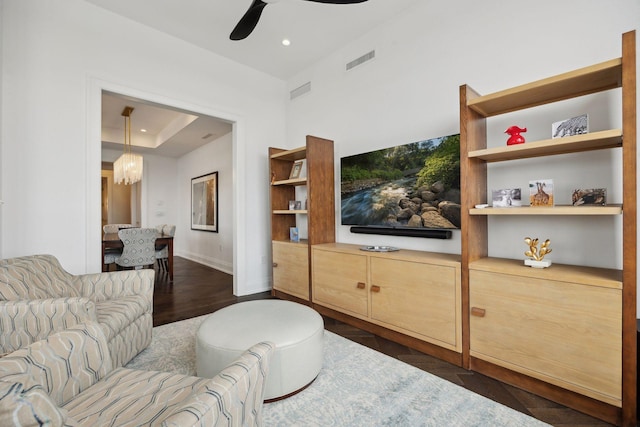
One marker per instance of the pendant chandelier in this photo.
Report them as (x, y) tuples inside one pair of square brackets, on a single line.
[(128, 167)]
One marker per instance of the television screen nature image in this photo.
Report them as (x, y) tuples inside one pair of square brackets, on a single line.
[(415, 185)]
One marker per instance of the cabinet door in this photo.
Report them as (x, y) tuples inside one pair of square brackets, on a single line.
[(291, 268), (563, 333), (419, 298), (339, 282)]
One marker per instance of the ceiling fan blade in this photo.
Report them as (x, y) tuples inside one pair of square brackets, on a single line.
[(249, 21), (339, 1)]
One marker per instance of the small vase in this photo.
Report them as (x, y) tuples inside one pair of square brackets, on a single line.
[(537, 264)]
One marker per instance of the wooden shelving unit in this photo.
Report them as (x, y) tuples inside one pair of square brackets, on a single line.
[(598, 376), (292, 260)]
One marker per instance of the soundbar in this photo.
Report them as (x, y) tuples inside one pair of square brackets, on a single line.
[(429, 233)]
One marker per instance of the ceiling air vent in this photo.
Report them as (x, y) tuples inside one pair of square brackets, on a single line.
[(299, 91), (364, 58)]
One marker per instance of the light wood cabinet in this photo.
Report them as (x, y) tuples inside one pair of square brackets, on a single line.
[(292, 260), (291, 268), (339, 282), (567, 333), (420, 298), (410, 292), (551, 327)]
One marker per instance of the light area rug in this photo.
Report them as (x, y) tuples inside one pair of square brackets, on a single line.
[(357, 386)]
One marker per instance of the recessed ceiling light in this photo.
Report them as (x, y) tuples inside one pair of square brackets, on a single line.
[(143, 130), (286, 42)]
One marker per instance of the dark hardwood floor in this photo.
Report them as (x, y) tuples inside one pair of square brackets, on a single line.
[(198, 290)]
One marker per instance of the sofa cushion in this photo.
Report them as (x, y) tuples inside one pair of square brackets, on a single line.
[(34, 277), (65, 364), (28, 406), (25, 321)]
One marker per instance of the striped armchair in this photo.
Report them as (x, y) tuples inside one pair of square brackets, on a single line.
[(38, 297), (67, 379)]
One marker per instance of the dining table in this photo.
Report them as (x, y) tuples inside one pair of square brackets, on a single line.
[(112, 240)]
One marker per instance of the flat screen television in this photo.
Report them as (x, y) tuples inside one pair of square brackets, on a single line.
[(410, 190)]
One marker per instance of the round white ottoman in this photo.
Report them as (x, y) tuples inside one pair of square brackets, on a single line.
[(295, 329)]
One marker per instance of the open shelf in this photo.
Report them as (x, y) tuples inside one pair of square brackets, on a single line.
[(295, 181), (596, 78), (592, 276), (571, 144), (550, 210), (291, 155)]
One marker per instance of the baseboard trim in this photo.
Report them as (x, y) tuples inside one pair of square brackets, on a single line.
[(209, 262)]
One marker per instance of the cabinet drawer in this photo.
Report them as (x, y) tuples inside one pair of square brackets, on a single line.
[(291, 268), (417, 297), (563, 333), (339, 281)]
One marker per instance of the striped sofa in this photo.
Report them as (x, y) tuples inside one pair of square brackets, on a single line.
[(67, 380), (38, 297)]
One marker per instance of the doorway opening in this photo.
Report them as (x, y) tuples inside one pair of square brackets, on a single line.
[(172, 135)]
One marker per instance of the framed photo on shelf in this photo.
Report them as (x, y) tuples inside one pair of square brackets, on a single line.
[(589, 196), (296, 169), (295, 205), (541, 192), (294, 236), (204, 202), (506, 197), (570, 127)]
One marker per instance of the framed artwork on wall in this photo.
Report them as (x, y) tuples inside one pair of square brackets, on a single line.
[(204, 202)]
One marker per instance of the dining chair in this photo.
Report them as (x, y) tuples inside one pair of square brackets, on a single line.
[(162, 252), (111, 254), (114, 228), (139, 247)]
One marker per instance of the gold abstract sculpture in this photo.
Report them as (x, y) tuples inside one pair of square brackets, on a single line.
[(533, 251)]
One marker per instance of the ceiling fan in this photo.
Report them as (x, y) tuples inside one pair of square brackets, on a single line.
[(250, 19)]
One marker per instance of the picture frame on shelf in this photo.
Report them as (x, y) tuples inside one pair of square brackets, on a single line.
[(294, 235), (541, 192), (506, 197), (296, 169), (204, 202), (589, 196), (574, 126)]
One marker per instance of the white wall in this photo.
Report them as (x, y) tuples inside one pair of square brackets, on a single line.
[(410, 92), (57, 58), (213, 249), (160, 193)]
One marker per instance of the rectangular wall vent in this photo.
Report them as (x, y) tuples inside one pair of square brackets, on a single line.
[(364, 58), (299, 91)]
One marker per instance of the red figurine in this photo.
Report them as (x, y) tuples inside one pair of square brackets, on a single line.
[(515, 137)]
